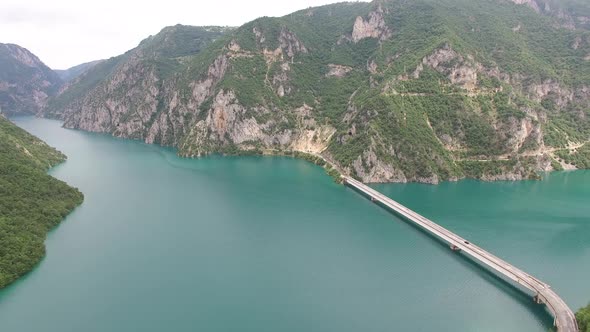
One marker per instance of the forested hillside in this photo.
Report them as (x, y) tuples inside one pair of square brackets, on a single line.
[(583, 318), (397, 90), (31, 202)]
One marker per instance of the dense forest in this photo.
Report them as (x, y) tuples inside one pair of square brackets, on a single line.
[(31, 202), (583, 318)]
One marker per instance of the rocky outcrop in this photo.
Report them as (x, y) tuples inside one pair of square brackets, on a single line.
[(561, 96), (310, 137), (228, 123), (522, 131), (290, 44), (459, 71), (337, 70), (373, 27), (370, 169), (25, 82)]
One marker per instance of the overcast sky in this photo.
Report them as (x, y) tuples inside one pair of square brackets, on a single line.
[(64, 33)]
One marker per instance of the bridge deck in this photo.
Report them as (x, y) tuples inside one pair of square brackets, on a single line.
[(564, 318)]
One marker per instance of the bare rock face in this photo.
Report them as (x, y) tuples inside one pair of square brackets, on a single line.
[(337, 70), (464, 76), (522, 130), (202, 89), (373, 27), (549, 89), (259, 35), (124, 115), (228, 123), (445, 60), (440, 56), (134, 114), (310, 137), (280, 81), (370, 169), (290, 44)]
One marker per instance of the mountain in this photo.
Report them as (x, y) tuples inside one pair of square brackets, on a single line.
[(31, 202), (25, 82), (570, 14), (388, 91), (69, 74), (134, 77)]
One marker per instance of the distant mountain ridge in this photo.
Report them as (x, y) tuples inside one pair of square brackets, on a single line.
[(25, 81), (392, 90), (69, 74)]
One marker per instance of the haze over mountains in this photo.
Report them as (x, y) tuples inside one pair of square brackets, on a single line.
[(389, 91), (69, 74)]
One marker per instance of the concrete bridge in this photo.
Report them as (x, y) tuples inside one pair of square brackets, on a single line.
[(564, 318)]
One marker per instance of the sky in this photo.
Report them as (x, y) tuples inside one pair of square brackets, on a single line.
[(65, 33)]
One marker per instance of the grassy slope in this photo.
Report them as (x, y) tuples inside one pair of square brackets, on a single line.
[(31, 202)]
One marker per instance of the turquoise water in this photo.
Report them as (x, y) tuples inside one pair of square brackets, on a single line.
[(272, 244)]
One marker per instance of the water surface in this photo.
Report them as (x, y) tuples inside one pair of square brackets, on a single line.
[(272, 244)]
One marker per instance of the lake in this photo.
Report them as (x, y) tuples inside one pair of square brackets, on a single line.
[(163, 243)]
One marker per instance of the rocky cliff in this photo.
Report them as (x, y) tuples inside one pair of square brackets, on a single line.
[(25, 82), (388, 91)]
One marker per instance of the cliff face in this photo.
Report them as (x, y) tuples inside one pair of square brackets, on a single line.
[(388, 91), (25, 82), (125, 95)]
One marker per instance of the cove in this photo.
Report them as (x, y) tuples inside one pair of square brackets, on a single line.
[(163, 243)]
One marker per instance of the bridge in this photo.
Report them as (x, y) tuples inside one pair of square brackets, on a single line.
[(563, 317)]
